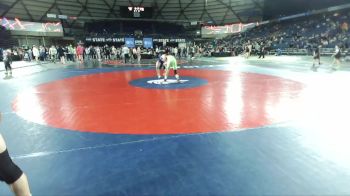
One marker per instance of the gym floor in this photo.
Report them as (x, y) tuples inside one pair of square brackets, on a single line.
[(232, 126)]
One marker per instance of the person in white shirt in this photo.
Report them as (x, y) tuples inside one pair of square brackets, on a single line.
[(134, 54), (113, 52), (53, 53), (36, 53), (98, 53), (125, 53), (138, 53), (175, 52), (87, 53)]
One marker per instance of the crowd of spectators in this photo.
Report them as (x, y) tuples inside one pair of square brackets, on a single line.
[(118, 53), (326, 31), (135, 28), (309, 32), (71, 53)]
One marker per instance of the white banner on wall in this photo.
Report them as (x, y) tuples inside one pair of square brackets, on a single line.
[(22, 27)]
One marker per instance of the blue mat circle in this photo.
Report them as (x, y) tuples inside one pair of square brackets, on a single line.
[(155, 83)]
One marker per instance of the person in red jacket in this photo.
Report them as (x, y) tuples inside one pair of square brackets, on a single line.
[(80, 53)]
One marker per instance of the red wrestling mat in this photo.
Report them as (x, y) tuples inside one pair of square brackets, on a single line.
[(107, 103)]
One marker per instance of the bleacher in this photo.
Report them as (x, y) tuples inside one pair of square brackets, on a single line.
[(297, 36), (128, 28)]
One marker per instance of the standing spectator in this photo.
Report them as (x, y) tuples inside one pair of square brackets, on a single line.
[(1, 54), (47, 57), (337, 56), (60, 52), (261, 51), (107, 52), (20, 54), (7, 58), (41, 53), (36, 53), (119, 53), (30, 54), (125, 53), (113, 53), (53, 53), (134, 54), (98, 53), (138, 53), (157, 51), (345, 27), (69, 53), (131, 55), (176, 52), (87, 53), (74, 53), (80, 53), (93, 52), (250, 48), (316, 56)]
